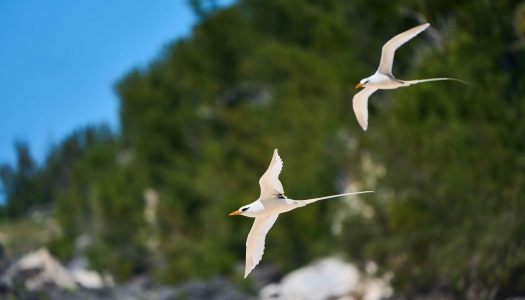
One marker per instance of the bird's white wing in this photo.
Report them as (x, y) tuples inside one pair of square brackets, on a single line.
[(255, 241), (360, 104), (271, 187), (389, 49)]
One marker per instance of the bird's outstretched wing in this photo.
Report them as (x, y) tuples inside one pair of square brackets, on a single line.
[(271, 187), (360, 104), (389, 49), (255, 241)]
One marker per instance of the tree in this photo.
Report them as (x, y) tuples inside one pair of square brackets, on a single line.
[(20, 189)]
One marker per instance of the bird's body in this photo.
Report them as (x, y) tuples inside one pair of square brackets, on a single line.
[(384, 82), (267, 208), (272, 206), (383, 78)]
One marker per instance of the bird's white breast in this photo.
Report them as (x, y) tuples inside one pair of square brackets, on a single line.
[(381, 81), (268, 207)]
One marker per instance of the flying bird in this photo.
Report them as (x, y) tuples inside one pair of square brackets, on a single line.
[(267, 208), (383, 78)]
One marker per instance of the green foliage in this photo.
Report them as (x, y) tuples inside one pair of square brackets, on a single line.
[(18, 184), (104, 203), (29, 186), (203, 122), (454, 166), (23, 235), (61, 247)]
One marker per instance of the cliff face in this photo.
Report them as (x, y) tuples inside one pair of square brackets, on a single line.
[(38, 275)]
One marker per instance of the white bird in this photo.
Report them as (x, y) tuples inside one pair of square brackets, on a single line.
[(383, 78), (265, 210)]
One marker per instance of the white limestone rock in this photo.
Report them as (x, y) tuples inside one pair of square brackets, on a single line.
[(329, 278)]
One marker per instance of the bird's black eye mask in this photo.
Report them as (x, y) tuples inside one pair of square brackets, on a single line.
[(245, 209)]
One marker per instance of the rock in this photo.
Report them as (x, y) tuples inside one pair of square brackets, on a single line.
[(5, 284), (87, 279), (271, 291), (373, 289), (43, 269), (261, 276), (215, 289), (83, 277), (137, 288), (77, 263), (329, 278), (144, 288), (82, 243), (38, 275)]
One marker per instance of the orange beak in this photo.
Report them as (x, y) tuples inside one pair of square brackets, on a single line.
[(359, 85), (236, 213)]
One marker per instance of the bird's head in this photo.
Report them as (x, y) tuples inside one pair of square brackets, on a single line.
[(362, 83), (241, 211)]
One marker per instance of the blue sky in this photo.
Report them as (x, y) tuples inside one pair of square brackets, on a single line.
[(59, 61)]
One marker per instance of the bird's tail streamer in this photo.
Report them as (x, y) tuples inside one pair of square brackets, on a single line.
[(409, 82), (305, 202)]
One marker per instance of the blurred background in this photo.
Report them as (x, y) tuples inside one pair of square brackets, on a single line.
[(130, 130)]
